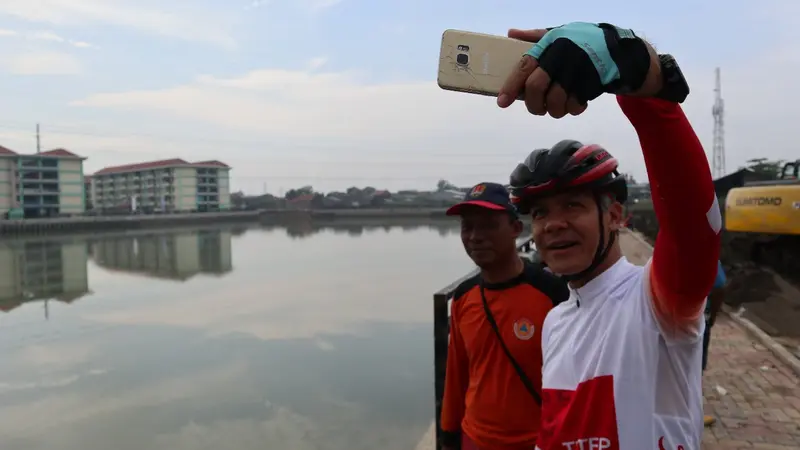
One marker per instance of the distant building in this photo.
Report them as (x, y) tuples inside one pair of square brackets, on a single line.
[(45, 184), (738, 179), (638, 192), (167, 185), (300, 202)]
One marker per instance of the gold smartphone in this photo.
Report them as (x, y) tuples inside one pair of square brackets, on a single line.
[(477, 63)]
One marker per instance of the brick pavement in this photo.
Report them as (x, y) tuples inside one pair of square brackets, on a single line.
[(755, 397)]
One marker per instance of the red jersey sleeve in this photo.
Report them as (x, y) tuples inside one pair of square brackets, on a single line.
[(686, 252), (456, 379)]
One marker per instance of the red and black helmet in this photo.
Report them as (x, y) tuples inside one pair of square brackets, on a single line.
[(567, 165)]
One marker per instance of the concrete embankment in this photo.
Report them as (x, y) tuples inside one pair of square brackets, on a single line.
[(351, 213), (72, 225), (88, 236), (90, 224), (428, 440)]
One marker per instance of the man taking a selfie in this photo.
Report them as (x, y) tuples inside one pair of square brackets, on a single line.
[(622, 357)]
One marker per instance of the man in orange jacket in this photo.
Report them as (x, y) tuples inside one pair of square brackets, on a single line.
[(493, 379)]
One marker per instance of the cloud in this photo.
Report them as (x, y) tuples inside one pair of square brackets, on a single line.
[(47, 36), (311, 312), (418, 117), (319, 313), (289, 430), (55, 355), (53, 37), (62, 411), (186, 24), (312, 6), (42, 63), (319, 5), (256, 4), (316, 63), (104, 150)]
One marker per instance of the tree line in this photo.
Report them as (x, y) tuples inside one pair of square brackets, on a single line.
[(444, 193)]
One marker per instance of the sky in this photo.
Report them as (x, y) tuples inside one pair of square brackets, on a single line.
[(337, 93)]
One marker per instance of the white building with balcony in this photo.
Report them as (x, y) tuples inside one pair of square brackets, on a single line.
[(166, 185), (45, 184)]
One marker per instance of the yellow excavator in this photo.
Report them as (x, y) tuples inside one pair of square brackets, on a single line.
[(766, 207), (766, 216)]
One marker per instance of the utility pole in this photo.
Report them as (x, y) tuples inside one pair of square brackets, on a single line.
[(718, 111), (38, 140)]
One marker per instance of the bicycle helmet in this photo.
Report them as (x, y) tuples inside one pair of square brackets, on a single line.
[(565, 166)]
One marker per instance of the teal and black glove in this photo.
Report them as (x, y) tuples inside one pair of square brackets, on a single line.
[(588, 59)]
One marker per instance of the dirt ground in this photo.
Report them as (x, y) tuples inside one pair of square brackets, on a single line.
[(768, 299)]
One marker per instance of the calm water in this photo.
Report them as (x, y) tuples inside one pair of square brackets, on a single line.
[(266, 338)]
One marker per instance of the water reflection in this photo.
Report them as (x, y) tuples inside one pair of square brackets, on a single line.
[(314, 343), (177, 255), (304, 226), (34, 270)]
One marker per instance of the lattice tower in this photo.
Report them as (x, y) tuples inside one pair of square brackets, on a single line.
[(718, 111)]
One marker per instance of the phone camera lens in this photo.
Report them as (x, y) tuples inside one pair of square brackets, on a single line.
[(462, 59)]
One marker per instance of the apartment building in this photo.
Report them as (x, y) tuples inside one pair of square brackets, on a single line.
[(44, 184), (166, 185)]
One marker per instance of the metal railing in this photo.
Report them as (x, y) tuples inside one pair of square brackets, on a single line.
[(441, 332)]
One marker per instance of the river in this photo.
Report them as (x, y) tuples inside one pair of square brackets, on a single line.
[(288, 338)]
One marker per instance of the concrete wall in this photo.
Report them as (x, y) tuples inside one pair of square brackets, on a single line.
[(70, 172), (224, 184), (71, 198), (72, 190), (7, 191), (186, 188), (7, 188), (93, 193), (71, 203)]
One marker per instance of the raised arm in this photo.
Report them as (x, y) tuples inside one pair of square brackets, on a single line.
[(685, 257), (456, 380)]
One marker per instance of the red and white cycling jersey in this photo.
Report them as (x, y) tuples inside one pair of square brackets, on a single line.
[(613, 376)]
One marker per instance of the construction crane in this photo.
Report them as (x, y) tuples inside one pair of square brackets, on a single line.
[(718, 111)]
